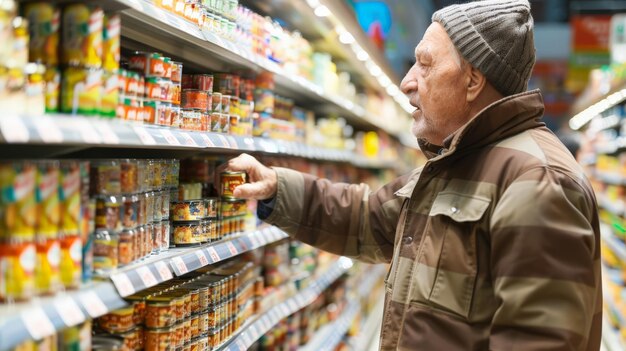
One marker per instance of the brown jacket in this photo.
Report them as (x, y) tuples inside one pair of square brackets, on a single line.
[(493, 243)]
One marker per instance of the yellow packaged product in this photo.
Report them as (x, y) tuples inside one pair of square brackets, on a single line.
[(17, 200), (47, 195), (82, 35), (52, 78), (19, 54), (110, 94), (18, 261), (44, 22), (81, 90), (71, 261), (47, 273), (111, 42), (69, 196)]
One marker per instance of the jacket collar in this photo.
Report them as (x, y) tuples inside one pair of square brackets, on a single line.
[(503, 118)]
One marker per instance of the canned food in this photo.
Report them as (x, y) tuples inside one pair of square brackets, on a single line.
[(211, 205), (131, 338), (190, 210), (216, 101), (216, 122), (165, 235), (129, 211), (118, 321), (187, 233), (179, 331), (230, 207), (105, 177), (203, 82), (53, 89), (71, 261), (160, 339), (177, 71), (190, 119), (225, 122), (226, 104), (160, 312), (157, 112), (203, 344), (149, 198), (157, 238), (176, 117), (231, 180), (126, 248), (193, 98), (105, 251), (82, 35), (108, 212), (187, 333), (153, 88), (150, 64), (47, 271)]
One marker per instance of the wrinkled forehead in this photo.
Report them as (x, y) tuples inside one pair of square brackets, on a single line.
[(436, 42)]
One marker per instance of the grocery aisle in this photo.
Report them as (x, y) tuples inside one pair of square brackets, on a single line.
[(117, 229)]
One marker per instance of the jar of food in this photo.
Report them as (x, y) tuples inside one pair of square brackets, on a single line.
[(160, 312), (118, 321), (105, 251), (126, 247)]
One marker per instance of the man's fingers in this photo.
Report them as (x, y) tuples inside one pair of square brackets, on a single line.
[(258, 190)]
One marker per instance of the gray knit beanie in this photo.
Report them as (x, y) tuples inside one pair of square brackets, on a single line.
[(496, 37)]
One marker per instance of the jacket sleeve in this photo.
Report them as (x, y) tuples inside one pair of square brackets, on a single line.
[(345, 219), (545, 262)]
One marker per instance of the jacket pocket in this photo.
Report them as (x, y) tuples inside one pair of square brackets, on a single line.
[(447, 265)]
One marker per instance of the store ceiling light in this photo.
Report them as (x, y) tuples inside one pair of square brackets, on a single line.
[(313, 3), (345, 37), (393, 90), (596, 109), (384, 81), (322, 11)]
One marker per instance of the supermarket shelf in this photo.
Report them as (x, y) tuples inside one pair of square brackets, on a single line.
[(253, 330), (44, 316), (179, 261), (146, 25), (617, 246), (329, 336), (65, 135), (611, 147), (615, 207)]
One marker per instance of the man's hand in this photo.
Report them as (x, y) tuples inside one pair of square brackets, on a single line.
[(262, 181)]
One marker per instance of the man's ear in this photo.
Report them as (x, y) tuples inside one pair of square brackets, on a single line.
[(476, 82)]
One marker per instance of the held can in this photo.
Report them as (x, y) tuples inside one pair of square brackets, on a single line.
[(231, 180)]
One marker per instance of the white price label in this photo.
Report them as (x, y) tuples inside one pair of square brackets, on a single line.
[(37, 323), (254, 239), (231, 248), (284, 309), (48, 130), (293, 305), (169, 137), (69, 311), (241, 345), (188, 139), (147, 277), (108, 136), (14, 130), (144, 136), (202, 258), (164, 272), (232, 142), (213, 254), (123, 284), (93, 304), (244, 245), (87, 132), (262, 238), (179, 265), (207, 140), (223, 141)]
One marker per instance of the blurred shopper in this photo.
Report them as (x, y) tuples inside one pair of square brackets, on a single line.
[(494, 242)]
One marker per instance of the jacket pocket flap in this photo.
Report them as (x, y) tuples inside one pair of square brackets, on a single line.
[(459, 207)]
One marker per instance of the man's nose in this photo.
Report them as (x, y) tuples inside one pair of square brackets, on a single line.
[(409, 83)]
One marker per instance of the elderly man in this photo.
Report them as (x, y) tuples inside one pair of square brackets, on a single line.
[(494, 242)]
